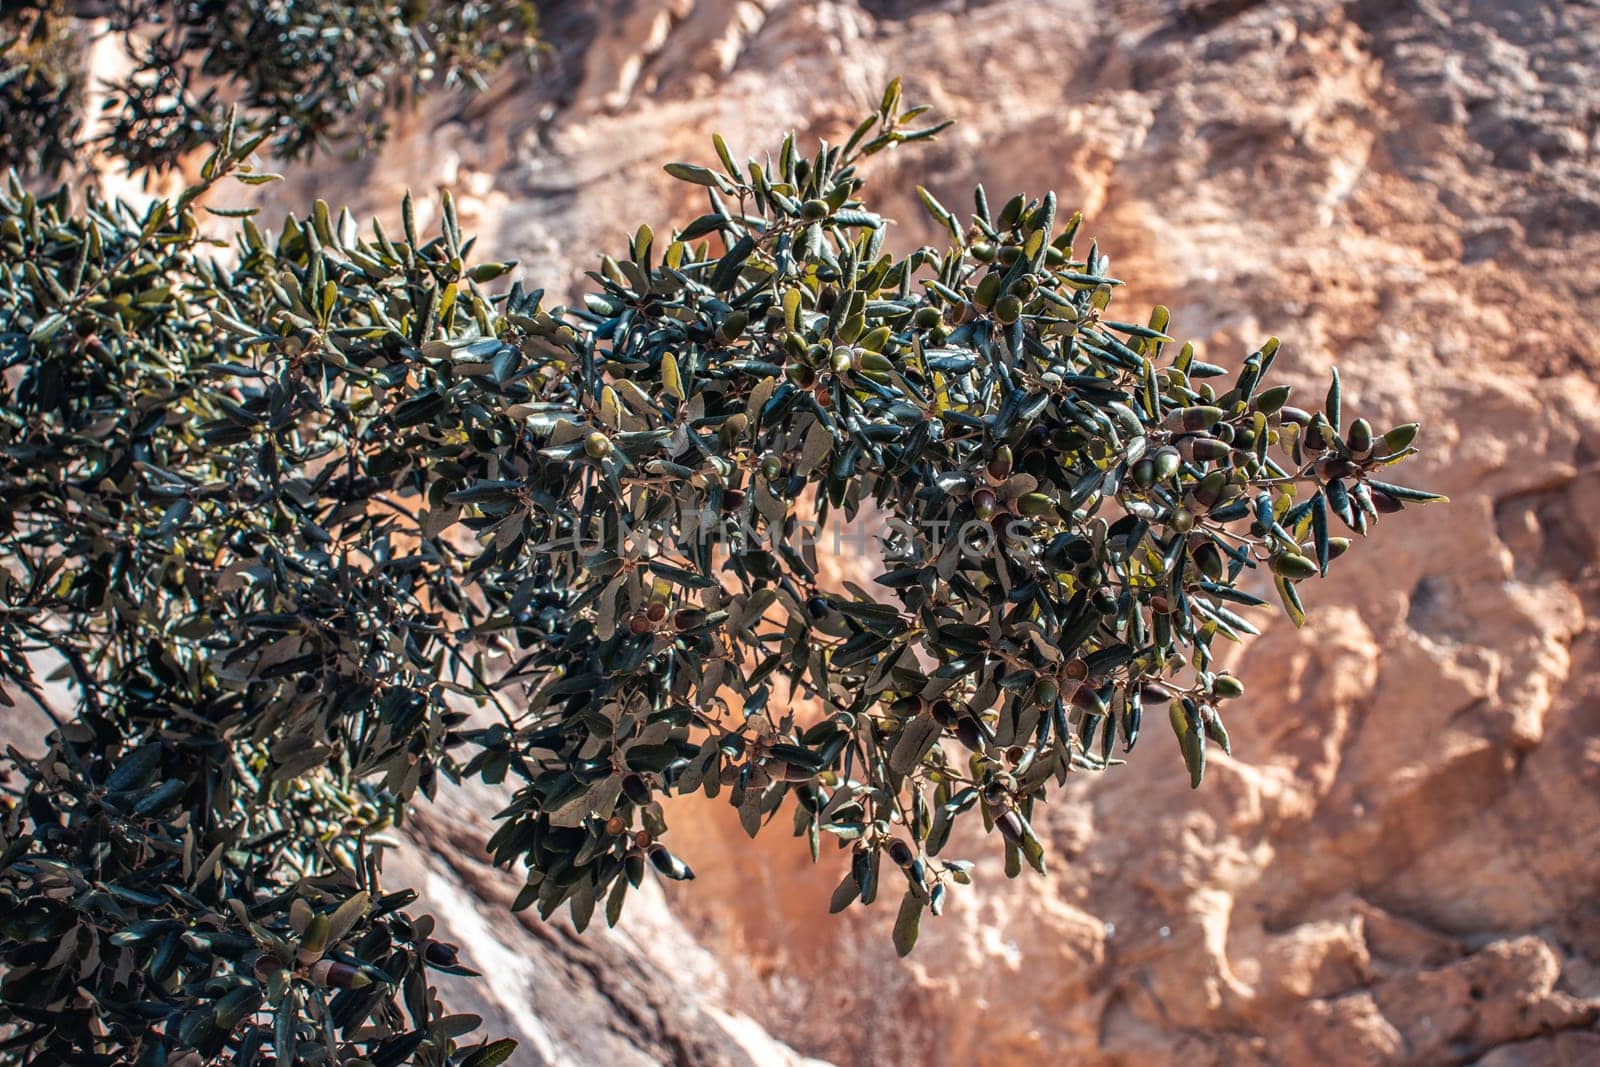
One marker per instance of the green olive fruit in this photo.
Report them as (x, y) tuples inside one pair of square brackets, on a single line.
[(1194, 419), (1271, 400), (1359, 437), (1167, 461), (801, 375), (1399, 438), (1293, 566), (999, 467), (734, 325), (1208, 557), (1035, 505), (988, 289)]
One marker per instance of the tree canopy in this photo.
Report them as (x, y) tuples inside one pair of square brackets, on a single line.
[(318, 523), (309, 73)]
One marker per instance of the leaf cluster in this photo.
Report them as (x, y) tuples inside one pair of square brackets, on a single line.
[(310, 73), (316, 525)]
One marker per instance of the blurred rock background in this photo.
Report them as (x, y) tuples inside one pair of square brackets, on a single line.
[(1401, 863)]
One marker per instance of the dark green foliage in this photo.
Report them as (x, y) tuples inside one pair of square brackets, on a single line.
[(285, 521), (309, 73), (170, 853), (41, 93)]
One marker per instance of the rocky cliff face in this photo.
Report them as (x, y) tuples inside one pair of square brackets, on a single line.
[(1399, 864)]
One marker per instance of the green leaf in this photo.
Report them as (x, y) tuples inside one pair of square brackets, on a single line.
[(917, 738), (1291, 600), (908, 923), (47, 328), (1405, 493), (1334, 402), (345, 917), (891, 99), (725, 156), (940, 213), (1319, 531), (844, 894), (697, 175), (490, 1055), (671, 381)]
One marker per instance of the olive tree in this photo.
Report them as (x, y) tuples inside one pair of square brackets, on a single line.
[(307, 72), (318, 524)]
